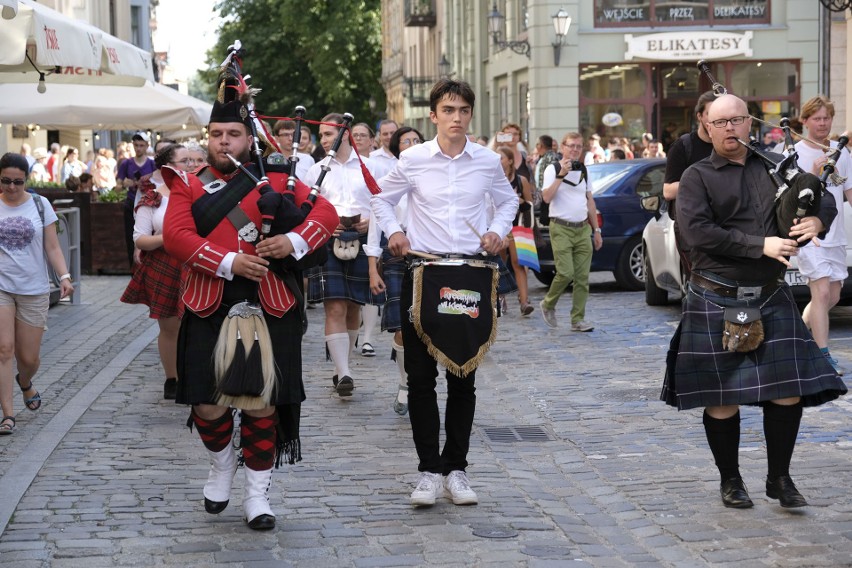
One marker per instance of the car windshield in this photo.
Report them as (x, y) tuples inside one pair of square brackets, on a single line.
[(603, 176)]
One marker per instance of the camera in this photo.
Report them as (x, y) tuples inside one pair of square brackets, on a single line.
[(576, 165), (504, 137)]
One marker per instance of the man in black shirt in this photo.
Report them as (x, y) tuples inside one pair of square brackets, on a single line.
[(726, 211)]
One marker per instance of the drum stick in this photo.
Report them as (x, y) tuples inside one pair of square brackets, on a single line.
[(424, 255), (472, 228)]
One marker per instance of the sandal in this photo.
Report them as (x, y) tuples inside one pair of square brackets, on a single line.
[(34, 402), (7, 429), (367, 350)]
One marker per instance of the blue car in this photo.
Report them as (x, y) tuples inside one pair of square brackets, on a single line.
[(617, 188)]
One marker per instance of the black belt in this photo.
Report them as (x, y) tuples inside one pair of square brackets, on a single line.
[(732, 290), (572, 224)]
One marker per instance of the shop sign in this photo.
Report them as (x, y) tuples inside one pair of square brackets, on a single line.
[(687, 46)]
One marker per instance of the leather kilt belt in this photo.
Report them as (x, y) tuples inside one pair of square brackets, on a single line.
[(454, 310), (731, 289)]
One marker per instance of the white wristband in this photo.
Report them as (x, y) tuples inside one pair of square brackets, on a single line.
[(65, 276)]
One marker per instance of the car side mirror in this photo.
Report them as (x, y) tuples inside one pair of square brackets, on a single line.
[(652, 204)]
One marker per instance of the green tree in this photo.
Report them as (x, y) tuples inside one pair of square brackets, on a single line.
[(323, 54)]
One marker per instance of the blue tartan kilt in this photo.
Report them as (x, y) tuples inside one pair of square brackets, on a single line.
[(700, 373), (393, 270), (343, 279)]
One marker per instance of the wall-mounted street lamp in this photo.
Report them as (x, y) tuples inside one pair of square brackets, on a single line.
[(561, 23), (496, 25), (444, 66)]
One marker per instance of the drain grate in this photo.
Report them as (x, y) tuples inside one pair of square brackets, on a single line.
[(510, 434)]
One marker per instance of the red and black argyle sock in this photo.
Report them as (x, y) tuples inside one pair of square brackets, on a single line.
[(257, 437), (215, 434), (723, 436), (780, 428)]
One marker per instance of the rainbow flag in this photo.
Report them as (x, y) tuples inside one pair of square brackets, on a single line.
[(525, 245)]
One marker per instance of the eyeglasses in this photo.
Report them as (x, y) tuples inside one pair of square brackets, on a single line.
[(188, 162), (572, 146), (723, 122), (359, 135), (285, 135), (409, 142), (9, 181)]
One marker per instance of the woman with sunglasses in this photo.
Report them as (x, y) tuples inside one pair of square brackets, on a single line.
[(27, 239), (156, 277)]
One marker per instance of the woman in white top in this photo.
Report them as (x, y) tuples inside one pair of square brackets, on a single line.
[(156, 278), (27, 239)]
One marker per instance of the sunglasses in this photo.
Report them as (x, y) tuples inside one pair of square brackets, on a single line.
[(9, 181)]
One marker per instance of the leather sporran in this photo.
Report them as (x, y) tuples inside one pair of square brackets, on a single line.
[(743, 331)]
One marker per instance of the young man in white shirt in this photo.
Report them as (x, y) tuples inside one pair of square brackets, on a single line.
[(451, 185), (825, 265)]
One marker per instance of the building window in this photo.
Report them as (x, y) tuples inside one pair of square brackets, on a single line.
[(523, 16), (644, 13), (136, 25), (504, 105), (524, 111)]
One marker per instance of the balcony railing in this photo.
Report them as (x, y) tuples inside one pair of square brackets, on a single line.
[(419, 13), (418, 90)]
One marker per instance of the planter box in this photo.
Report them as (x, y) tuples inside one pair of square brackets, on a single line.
[(102, 248)]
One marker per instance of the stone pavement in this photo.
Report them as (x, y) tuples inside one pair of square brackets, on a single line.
[(572, 455)]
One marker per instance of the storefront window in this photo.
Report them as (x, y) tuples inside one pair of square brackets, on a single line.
[(769, 79), (613, 120), (623, 13), (612, 81)]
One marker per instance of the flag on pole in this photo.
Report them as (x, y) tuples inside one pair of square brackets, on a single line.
[(525, 245)]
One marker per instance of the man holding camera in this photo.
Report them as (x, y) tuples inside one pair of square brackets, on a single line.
[(573, 219)]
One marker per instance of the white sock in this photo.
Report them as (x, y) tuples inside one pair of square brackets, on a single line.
[(402, 396), (338, 348), (353, 338), (369, 316)]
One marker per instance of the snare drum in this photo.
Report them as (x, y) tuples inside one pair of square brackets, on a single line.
[(454, 310)]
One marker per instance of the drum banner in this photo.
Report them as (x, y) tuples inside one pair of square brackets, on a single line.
[(454, 312)]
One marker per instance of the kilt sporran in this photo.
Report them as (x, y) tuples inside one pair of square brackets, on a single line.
[(454, 310)]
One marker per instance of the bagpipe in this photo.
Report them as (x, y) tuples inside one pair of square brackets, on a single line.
[(798, 192)]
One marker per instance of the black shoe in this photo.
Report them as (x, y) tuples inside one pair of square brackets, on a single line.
[(170, 389), (735, 494), (262, 523), (214, 507), (345, 386), (334, 381), (783, 489)]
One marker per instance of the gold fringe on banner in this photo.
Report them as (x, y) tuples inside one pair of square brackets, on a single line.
[(471, 364)]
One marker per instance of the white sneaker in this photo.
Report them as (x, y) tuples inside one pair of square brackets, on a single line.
[(582, 326), (427, 490), (458, 489), (549, 316)]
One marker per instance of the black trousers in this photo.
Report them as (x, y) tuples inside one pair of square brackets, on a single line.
[(422, 371)]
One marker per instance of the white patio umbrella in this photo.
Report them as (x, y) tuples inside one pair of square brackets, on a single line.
[(99, 107), (38, 44)]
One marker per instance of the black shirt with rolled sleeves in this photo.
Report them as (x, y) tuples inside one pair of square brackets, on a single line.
[(725, 211)]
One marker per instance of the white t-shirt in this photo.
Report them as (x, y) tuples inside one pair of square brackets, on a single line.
[(570, 202), (149, 220), (23, 263), (836, 236)]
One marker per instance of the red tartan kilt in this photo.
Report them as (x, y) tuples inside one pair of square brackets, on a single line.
[(156, 284)]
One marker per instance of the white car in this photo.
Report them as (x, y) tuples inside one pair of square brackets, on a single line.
[(663, 273)]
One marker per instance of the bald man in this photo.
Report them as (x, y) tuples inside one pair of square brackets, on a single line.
[(725, 206)]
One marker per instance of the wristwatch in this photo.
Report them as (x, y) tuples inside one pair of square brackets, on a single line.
[(597, 229), (65, 276)]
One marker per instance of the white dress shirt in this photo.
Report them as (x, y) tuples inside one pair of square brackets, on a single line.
[(344, 185), (304, 164), (383, 160), (445, 194)]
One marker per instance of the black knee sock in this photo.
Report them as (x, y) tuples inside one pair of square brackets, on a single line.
[(780, 427), (723, 435)]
